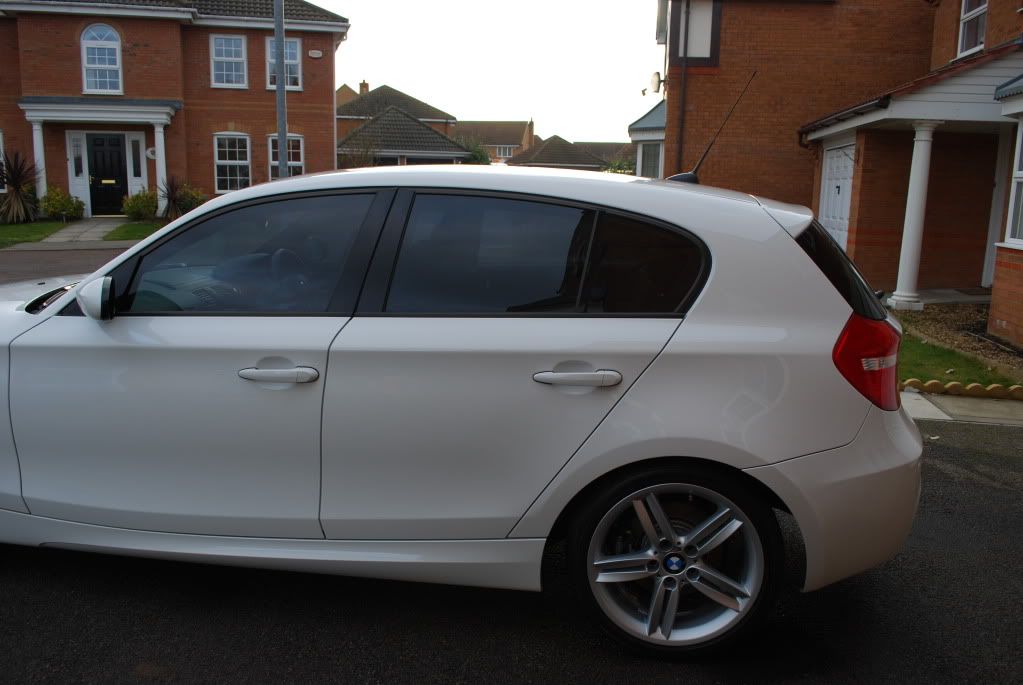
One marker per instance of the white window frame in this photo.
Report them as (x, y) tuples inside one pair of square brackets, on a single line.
[(1016, 194), (964, 18), (83, 44), (508, 149), (217, 162), (3, 188), (271, 165), (244, 59), (269, 64)]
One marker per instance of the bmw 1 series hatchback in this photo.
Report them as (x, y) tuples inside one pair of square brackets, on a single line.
[(443, 374)]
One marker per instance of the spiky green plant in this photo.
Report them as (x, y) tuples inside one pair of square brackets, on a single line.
[(17, 175)]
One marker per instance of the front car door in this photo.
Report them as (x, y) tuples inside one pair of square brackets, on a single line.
[(173, 416), (494, 334)]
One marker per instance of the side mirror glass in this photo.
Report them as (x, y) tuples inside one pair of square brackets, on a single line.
[(96, 298)]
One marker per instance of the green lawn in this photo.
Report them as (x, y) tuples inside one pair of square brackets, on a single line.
[(135, 230), (926, 362), (11, 234)]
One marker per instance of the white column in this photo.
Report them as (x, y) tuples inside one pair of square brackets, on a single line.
[(161, 168), (39, 157), (906, 295)]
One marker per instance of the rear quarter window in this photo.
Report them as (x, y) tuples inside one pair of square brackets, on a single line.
[(833, 262)]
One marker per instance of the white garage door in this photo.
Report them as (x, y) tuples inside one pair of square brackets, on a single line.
[(836, 191)]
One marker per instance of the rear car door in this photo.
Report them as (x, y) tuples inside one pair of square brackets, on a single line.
[(173, 416), (494, 333)]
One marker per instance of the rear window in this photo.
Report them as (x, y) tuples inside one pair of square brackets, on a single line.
[(839, 269)]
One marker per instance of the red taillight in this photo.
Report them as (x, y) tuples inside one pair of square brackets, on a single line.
[(867, 354)]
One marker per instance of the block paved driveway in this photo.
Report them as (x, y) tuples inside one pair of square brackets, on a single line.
[(947, 609)]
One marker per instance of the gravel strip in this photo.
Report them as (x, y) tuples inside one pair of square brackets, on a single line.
[(963, 328)]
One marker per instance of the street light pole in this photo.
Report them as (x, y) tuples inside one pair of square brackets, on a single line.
[(280, 74)]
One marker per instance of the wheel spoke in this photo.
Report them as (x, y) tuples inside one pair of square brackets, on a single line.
[(661, 519), (623, 568), (656, 612), (718, 587), (656, 524), (712, 532), (644, 520), (668, 621)]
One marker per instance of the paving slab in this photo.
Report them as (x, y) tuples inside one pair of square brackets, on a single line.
[(919, 407), (93, 228), (980, 410)]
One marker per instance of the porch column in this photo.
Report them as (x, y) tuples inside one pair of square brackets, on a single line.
[(161, 168), (906, 295), (39, 158)]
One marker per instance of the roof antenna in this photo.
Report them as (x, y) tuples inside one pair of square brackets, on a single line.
[(691, 176)]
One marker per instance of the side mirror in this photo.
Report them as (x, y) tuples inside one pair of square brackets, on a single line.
[(96, 298)]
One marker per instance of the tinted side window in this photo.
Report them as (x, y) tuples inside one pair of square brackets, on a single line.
[(839, 269), (280, 256), (639, 268), (476, 255)]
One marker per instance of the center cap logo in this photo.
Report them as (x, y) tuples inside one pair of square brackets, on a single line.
[(674, 563)]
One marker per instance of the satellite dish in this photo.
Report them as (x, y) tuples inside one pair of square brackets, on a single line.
[(656, 81)]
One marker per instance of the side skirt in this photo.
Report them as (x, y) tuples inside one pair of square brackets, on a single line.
[(512, 564)]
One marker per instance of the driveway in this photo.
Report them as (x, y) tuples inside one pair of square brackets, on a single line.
[(946, 610)]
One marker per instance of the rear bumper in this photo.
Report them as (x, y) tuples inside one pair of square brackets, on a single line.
[(855, 504)]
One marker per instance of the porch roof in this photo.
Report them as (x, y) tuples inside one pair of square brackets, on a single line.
[(40, 108), (963, 90)]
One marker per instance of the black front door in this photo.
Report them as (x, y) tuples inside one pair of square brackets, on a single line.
[(108, 172)]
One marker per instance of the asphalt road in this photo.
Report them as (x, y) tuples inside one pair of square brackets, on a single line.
[(945, 610), (24, 265)]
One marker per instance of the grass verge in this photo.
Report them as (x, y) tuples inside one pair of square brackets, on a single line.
[(135, 230), (918, 359), (12, 234)]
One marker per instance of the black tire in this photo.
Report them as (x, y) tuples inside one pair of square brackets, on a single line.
[(754, 510)]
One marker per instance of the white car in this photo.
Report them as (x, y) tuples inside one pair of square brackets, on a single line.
[(440, 374)]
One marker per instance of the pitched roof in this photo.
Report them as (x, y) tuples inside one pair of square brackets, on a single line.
[(382, 97), (654, 120), (884, 99), (610, 152), (345, 94), (492, 132), (557, 152), (394, 130), (259, 9)]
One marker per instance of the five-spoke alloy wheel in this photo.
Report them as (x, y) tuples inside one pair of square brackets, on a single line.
[(678, 561)]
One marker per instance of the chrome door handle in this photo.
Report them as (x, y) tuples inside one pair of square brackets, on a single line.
[(299, 374), (599, 379)]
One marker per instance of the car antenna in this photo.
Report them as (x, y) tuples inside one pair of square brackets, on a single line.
[(691, 176)]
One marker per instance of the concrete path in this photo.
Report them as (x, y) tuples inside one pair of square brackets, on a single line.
[(953, 408), (86, 229)]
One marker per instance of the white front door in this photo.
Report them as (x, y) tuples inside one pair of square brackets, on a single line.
[(170, 417), (435, 422), (836, 191)]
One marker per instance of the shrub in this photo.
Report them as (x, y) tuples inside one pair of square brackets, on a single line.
[(181, 197), (141, 206), (18, 175), (620, 166), (58, 204)]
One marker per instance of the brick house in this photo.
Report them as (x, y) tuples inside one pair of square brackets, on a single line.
[(112, 98), (557, 153), (396, 138), (502, 139), (355, 112), (906, 154)]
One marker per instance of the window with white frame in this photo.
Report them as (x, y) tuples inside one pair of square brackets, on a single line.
[(228, 62), (292, 63), (1014, 231), (296, 157), (101, 60), (232, 161), (505, 151), (972, 23)]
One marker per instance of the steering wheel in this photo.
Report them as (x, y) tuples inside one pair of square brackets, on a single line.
[(288, 269)]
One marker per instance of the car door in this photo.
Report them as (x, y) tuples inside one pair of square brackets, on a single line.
[(494, 334), (196, 409)]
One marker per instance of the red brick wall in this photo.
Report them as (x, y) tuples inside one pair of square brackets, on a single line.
[(1003, 24), (958, 207), (1006, 317), (812, 59), (252, 110), (51, 57), (17, 131)]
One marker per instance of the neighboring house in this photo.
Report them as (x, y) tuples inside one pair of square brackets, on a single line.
[(112, 98), (502, 139), (906, 154), (395, 137), (611, 152), (369, 103), (647, 134), (559, 153), (344, 94)]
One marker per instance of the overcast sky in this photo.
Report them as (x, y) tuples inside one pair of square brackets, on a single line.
[(575, 66)]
